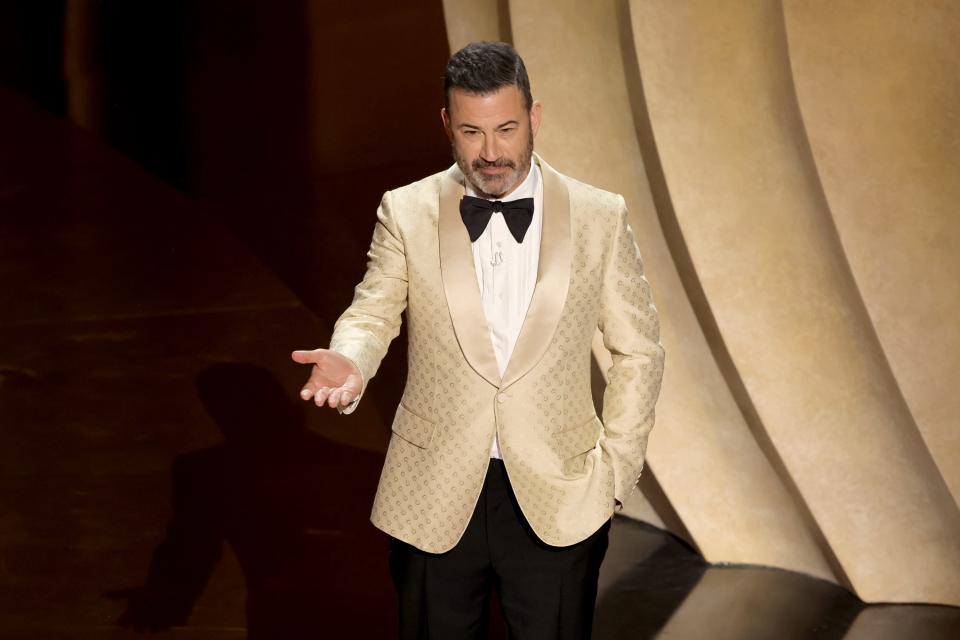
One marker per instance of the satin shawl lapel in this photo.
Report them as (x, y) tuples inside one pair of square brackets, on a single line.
[(460, 281), (463, 295), (553, 278)]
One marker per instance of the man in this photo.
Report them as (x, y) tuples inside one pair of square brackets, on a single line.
[(499, 472)]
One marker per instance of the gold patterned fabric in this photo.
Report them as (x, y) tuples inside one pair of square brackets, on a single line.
[(566, 466)]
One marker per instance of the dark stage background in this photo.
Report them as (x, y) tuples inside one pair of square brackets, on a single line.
[(188, 192), (286, 121)]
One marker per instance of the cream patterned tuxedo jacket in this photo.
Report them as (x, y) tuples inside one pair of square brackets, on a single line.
[(565, 465)]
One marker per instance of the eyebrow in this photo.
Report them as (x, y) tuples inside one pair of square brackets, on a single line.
[(467, 125)]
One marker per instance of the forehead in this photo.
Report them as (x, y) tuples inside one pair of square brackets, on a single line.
[(506, 103)]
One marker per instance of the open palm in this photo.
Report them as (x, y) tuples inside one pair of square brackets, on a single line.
[(334, 379)]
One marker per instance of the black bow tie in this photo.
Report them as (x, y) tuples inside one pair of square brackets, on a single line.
[(476, 213)]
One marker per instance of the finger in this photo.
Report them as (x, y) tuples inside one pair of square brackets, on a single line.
[(334, 398), (353, 385), (321, 396), (307, 357), (310, 388), (346, 398)]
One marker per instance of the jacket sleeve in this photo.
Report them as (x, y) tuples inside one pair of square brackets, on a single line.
[(364, 331), (631, 333)]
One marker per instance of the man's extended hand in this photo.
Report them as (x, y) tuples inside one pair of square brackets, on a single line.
[(334, 379)]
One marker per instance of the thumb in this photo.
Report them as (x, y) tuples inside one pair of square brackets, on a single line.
[(307, 357)]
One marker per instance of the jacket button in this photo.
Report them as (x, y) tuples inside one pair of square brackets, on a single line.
[(501, 397)]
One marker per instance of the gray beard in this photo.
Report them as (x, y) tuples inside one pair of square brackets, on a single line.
[(469, 173)]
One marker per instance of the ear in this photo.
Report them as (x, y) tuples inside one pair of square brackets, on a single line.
[(535, 117), (446, 123)]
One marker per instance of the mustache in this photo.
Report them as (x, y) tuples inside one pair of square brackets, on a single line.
[(502, 162)]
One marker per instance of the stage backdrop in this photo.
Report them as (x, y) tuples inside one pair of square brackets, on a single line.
[(793, 174)]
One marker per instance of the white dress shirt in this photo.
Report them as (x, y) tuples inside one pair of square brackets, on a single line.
[(507, 272)]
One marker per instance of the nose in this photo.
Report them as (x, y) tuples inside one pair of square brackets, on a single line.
[(490, 151)]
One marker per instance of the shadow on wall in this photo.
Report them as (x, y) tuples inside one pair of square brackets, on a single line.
[(285, 121), (308, 560)]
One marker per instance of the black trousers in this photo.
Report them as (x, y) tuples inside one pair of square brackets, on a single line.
[(545, 592)]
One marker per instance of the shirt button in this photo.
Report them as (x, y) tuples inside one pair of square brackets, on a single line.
[(501, 397)]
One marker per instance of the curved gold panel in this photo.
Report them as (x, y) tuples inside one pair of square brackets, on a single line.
[(756, 226), (704, 455), (879, 91), (473, 20)]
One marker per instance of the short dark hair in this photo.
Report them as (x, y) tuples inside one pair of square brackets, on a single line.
[(484, 67)]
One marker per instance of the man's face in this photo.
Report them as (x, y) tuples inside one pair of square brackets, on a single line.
[(492, 138)]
